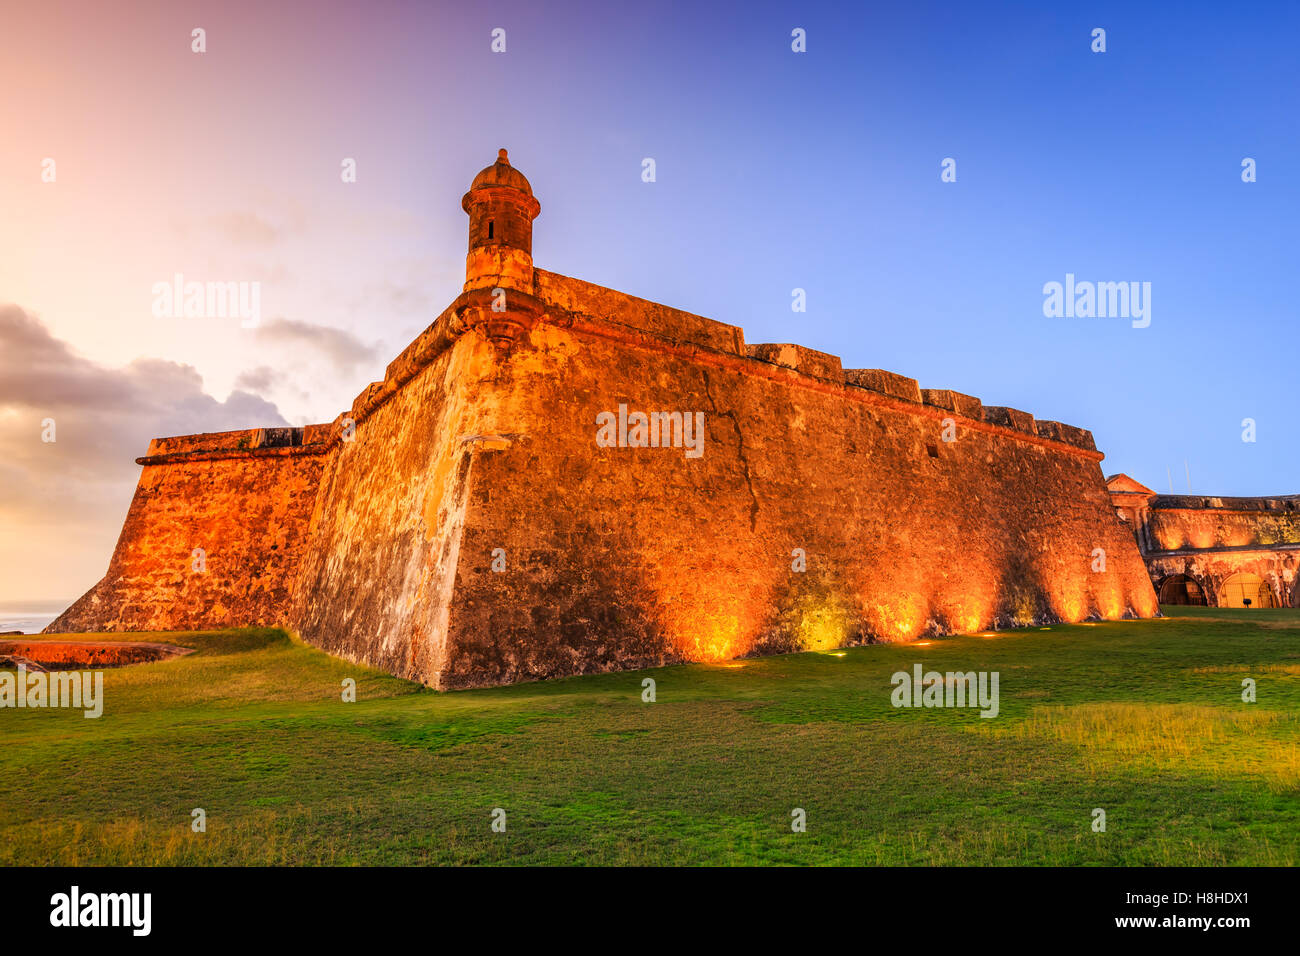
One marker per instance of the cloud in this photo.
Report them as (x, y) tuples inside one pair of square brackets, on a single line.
[(341, 347), (76, 488), (114, 411), (277, 218), (398, 298), (247, 227), (259, 379)]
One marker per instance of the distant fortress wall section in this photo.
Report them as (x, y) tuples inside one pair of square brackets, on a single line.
[(825, 506), (213, 537), (1216, 551), (1177, 522)]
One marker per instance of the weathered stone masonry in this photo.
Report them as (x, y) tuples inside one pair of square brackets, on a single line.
[(1215, 551), (481, 442)]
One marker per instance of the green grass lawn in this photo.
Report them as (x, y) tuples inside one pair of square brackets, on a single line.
[(1143, 719)]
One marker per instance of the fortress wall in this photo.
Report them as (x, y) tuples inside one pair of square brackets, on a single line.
[(462, 525), (244, 502), (1235, 526), (375, 585), (374, 536), (622, 557), (1279, 569), (574, 296)]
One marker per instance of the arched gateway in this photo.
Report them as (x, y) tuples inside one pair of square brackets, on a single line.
[(1181, 589)]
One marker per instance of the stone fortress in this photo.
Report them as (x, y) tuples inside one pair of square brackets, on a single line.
[(1220, 552), (556, 478)]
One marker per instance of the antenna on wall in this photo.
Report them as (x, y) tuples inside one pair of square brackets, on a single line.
[(1189, 475), (1171, 479)]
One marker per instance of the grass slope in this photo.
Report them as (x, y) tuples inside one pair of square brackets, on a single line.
[(1141, 718)]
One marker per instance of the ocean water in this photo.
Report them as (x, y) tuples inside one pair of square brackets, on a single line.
[(29, 618)]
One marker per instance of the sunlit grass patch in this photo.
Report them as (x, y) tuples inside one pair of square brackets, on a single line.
[(1246, 669), (1240, 739)]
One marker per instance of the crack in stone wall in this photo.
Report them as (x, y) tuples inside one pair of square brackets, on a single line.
[(740, 451)]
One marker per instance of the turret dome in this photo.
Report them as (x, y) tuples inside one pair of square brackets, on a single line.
[(501, 173)]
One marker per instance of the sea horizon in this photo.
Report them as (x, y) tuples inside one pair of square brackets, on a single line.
[(31, 616)]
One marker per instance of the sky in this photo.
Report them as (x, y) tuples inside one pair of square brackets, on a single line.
[(774, 170)]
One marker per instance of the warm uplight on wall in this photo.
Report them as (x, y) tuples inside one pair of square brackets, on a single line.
[(1110, 600), (1071, 607), (708, 621), (1025, 611), (824, 627), (1170, 539), (968, 618), (900, 620), (713, 640), (964, 611)]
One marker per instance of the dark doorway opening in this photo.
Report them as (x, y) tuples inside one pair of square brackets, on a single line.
[(1180, 589)]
